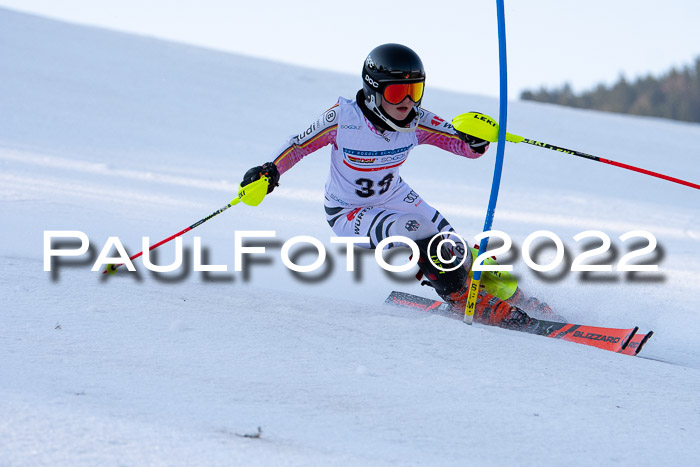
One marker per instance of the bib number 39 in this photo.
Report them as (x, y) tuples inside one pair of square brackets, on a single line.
[(366, 186)]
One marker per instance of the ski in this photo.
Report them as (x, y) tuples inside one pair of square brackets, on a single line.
[(625, 341)]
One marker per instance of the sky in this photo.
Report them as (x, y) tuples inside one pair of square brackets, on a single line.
[(549, 42)]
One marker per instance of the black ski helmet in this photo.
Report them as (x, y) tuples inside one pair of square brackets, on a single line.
[(385, 65)]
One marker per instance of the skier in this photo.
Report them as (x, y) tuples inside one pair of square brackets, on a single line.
[(370, 139)]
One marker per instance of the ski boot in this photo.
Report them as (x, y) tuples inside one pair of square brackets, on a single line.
[(489, 310), (493, 307), (534, 306)]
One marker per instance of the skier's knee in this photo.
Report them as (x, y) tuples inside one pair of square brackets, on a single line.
[(441, 266)]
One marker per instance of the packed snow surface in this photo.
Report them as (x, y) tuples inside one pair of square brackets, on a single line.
[(124, 136)]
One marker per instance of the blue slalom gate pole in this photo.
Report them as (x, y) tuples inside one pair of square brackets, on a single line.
[(500, 153)]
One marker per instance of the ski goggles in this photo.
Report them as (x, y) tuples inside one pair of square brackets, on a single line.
[(396, 93)]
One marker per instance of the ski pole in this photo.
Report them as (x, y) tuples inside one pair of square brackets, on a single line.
[(483, 127), (251, 194)]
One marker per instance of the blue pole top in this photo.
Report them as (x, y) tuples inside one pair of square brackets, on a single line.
[(502, 119)]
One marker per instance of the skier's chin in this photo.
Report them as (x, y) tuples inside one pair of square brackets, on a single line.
[(400, 113)]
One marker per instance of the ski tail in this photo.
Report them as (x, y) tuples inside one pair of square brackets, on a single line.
[(612, 339), (636, 343)]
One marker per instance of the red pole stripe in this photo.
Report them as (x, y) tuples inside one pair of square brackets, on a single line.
[(161, 242), (199, 222), (649, 172), (115, 266), (608, 161)]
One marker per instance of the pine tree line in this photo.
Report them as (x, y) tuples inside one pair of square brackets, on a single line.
[(674, 95)]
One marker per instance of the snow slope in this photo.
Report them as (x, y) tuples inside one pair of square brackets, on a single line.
[(119, 135)]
